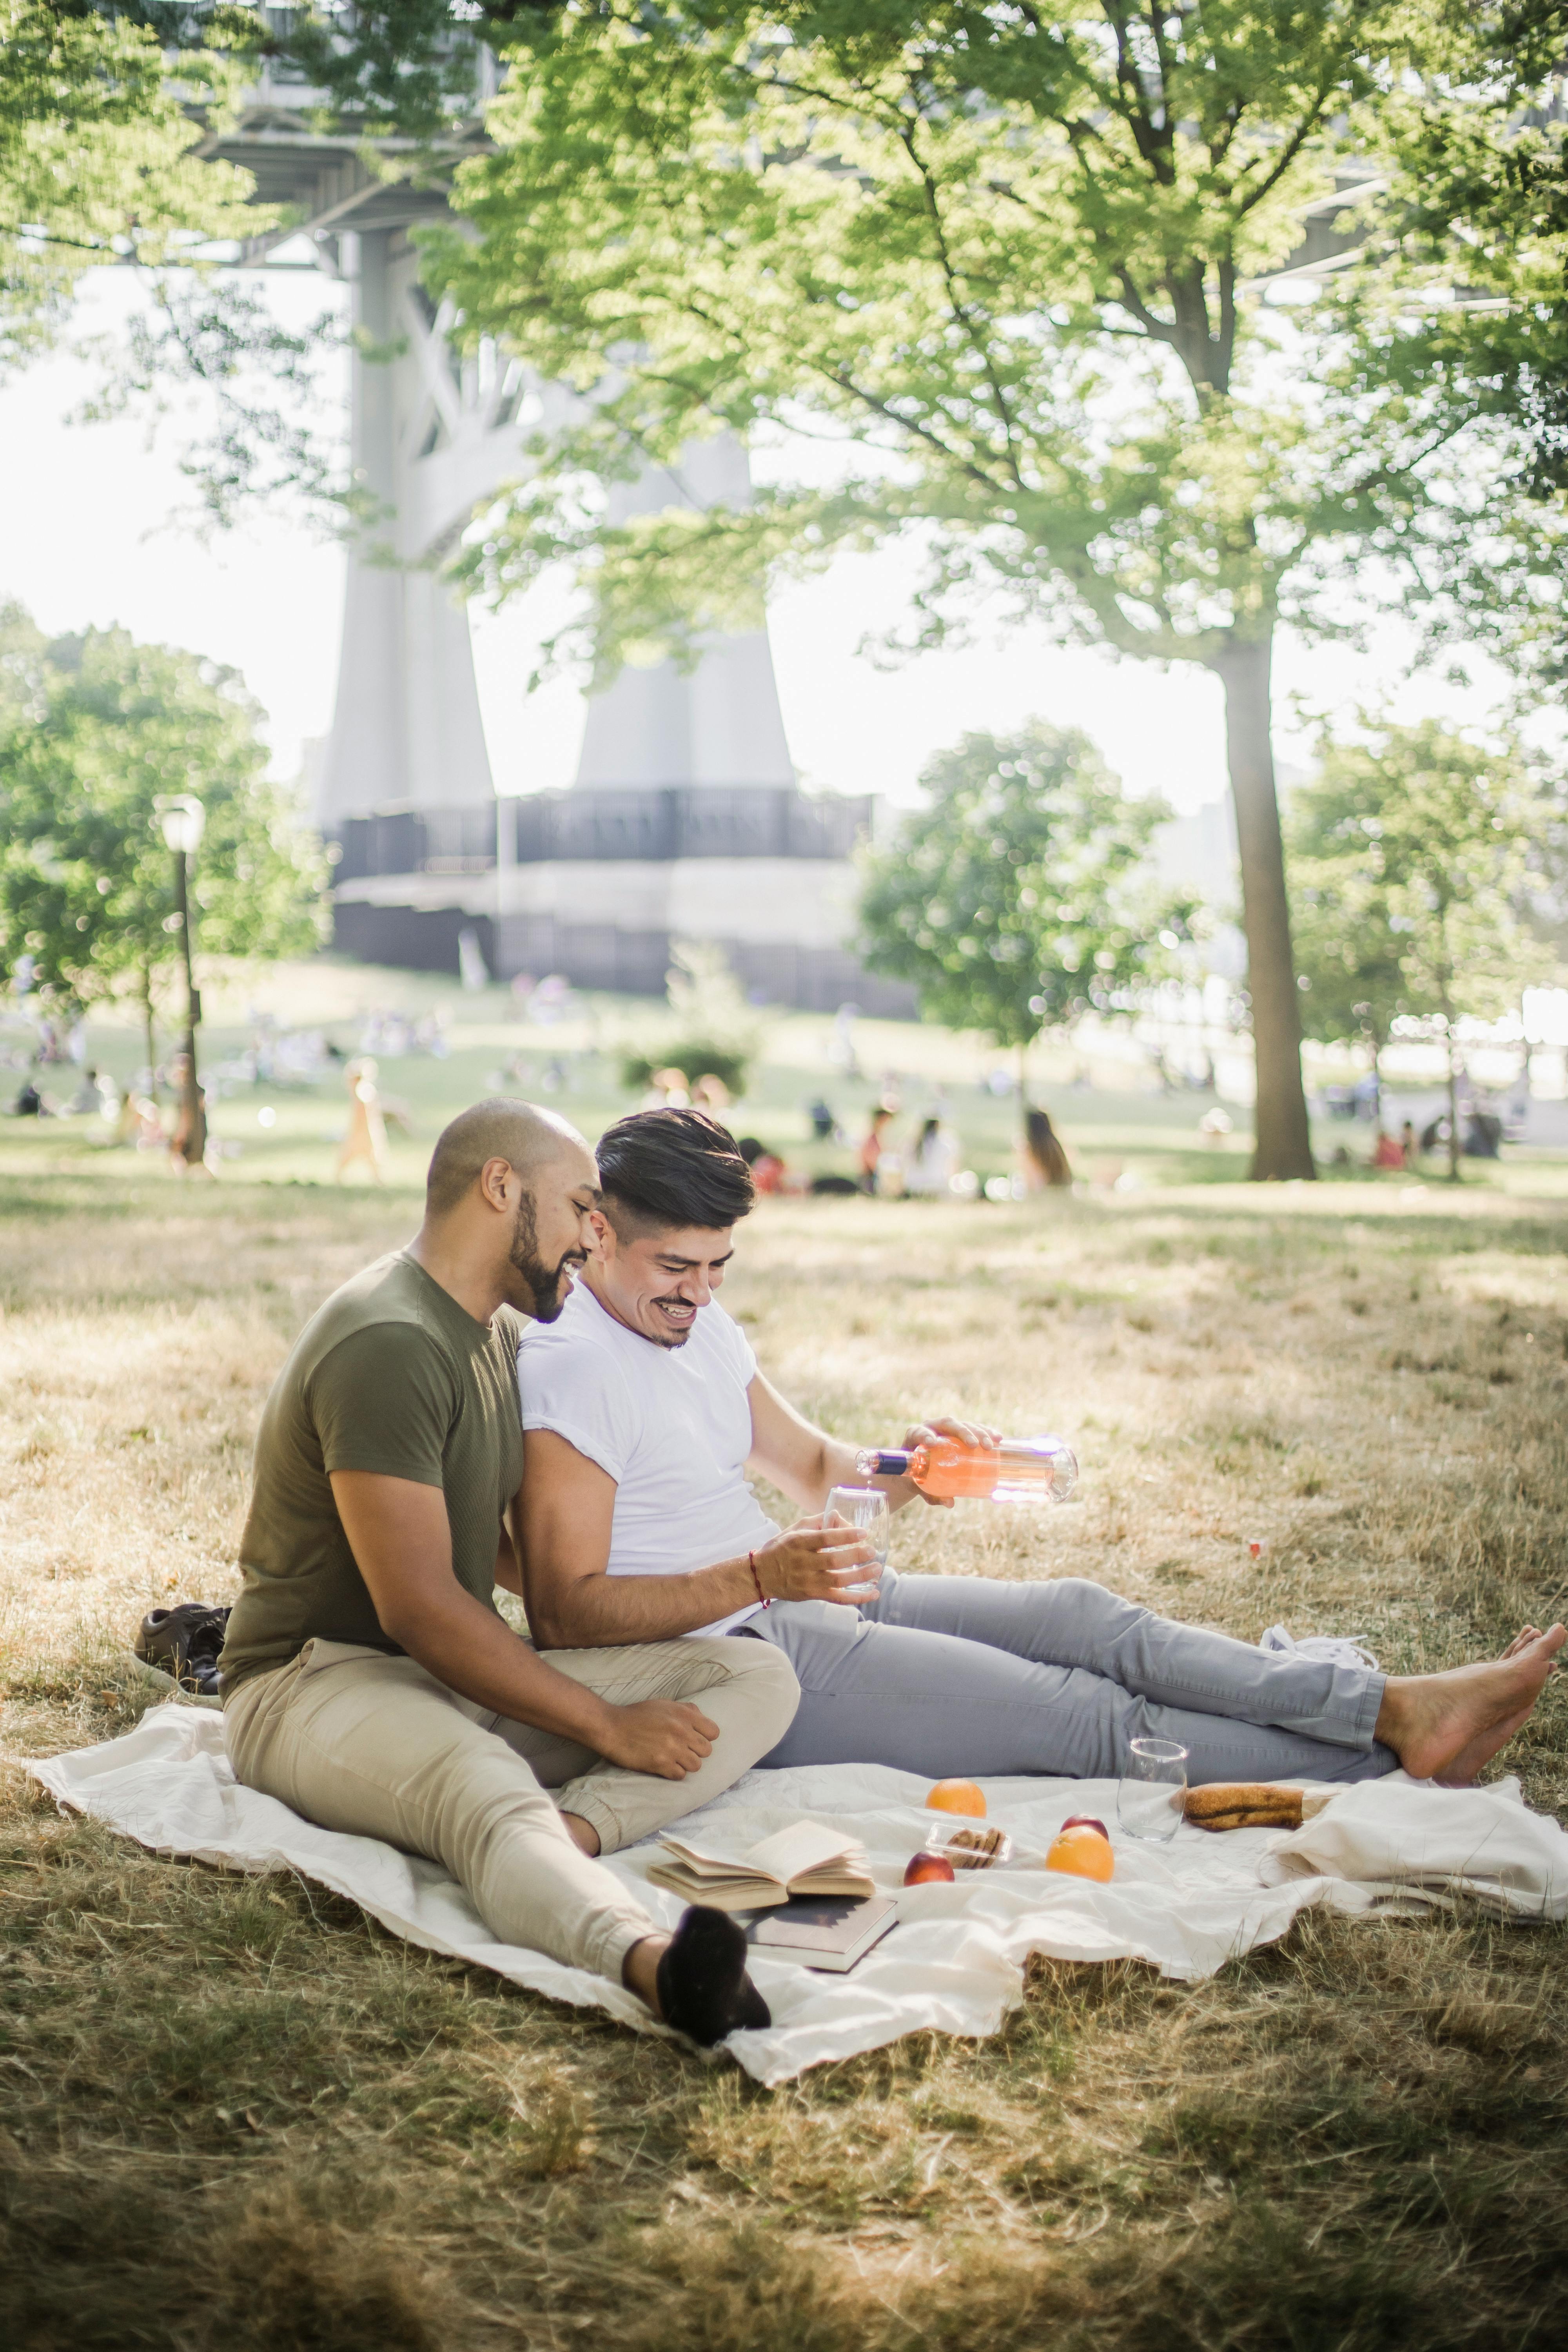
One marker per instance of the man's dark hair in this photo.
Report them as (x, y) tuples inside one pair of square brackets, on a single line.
[(665, 1169)]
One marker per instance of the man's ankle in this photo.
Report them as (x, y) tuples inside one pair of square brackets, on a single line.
[(583, 1834), (639, 1970)]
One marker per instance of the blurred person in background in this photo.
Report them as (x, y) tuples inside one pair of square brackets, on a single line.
[(366, 1134), (933, 1165), (141, 1122), (1044, 1161), (188, 1147), (769, 1173), (84, 1103), (868, 1158)]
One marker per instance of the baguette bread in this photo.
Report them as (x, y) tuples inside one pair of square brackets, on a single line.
[(1243, 1805)]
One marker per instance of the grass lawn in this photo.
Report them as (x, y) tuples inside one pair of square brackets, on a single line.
[(234, 2114), (1100, 1088)]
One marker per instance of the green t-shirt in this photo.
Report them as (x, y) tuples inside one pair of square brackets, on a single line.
[(390, 1375)]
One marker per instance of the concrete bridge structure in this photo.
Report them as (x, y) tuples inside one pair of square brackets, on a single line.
[(685, 819)]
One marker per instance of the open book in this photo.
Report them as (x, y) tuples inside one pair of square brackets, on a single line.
[(805, 1859)]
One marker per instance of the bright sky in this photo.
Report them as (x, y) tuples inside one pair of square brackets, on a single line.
[(85, 540)]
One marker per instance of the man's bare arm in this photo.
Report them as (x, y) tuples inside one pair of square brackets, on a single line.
[(803, 1463), (508, 1575), (401, 1543), (801, 1460), (572, 1603)]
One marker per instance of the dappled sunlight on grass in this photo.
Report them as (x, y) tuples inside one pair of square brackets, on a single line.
[(238, 2115)]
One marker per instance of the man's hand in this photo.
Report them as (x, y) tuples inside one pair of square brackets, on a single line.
[(811, 1562), (963, 1432), (668, 1738)]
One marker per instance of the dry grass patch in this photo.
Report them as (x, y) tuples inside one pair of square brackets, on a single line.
[(236, 2114)]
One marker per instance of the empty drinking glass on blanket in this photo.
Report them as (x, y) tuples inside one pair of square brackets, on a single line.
[(1148, 1796), (866, 1509)]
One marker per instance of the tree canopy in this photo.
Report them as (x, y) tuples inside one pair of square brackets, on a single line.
[(1013, 898), (96, 167), (95, 731), (1455, 326), (1008, 265)]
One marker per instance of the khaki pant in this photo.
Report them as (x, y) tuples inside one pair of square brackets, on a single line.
[(359, 1741)]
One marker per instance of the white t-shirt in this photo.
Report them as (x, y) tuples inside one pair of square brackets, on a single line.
[(672, 1426)]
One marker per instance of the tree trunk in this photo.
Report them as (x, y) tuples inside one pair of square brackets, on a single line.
[(1444, 998), (1282, 1145), (152, 1041)]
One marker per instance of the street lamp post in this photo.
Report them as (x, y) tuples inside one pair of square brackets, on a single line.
[(183, 820)]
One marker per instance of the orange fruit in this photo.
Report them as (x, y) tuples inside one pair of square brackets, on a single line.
[(957, 1797), (1083, 1854)]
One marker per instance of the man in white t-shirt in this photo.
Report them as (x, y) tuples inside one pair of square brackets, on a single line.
[(643, 1413)]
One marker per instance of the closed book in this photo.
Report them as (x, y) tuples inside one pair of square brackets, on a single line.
[(818, 1933), (805, 1859)]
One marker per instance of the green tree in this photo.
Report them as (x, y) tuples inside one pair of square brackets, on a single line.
[(1348, 955), (97, 160), (1427, 848), (710, 1029), (95, 731), (1013, 899), (1007, 261), (1456, 327), (103, 111)]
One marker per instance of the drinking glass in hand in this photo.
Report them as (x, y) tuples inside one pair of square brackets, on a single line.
[(864, 1508), (1148, 1796)]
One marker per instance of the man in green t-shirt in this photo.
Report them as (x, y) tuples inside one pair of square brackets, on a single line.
[(370, 1680)]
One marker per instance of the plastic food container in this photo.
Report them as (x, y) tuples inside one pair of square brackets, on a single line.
[(970, 1846)]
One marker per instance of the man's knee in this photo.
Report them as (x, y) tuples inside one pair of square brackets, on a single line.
[(1087, 1607), (764, 1678)]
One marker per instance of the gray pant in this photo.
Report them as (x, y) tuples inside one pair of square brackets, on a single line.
[(946, 1675)]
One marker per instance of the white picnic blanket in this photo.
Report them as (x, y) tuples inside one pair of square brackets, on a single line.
[(1408, 1845), (955, 1962)]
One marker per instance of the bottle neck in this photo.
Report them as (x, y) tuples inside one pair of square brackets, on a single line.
[(885, 1461)]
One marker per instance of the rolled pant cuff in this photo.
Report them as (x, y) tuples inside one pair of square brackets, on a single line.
[(590, 1808), (606, 1951), (1371, 1707)]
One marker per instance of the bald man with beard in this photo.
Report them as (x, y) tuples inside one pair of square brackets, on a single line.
[(370, 1681)]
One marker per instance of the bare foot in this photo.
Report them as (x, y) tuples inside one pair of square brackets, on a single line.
[(1460, 1770), (1445, 1726)]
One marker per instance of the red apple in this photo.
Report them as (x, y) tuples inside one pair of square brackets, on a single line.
[(929, 1870), (1087, 1822)]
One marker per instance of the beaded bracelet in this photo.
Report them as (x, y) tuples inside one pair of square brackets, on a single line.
[(756, 1580)]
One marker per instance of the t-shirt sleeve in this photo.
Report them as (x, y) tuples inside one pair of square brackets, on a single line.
[(384, 1400), (571, 1387)]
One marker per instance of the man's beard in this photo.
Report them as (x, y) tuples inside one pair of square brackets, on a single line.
[(547, 1291)]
